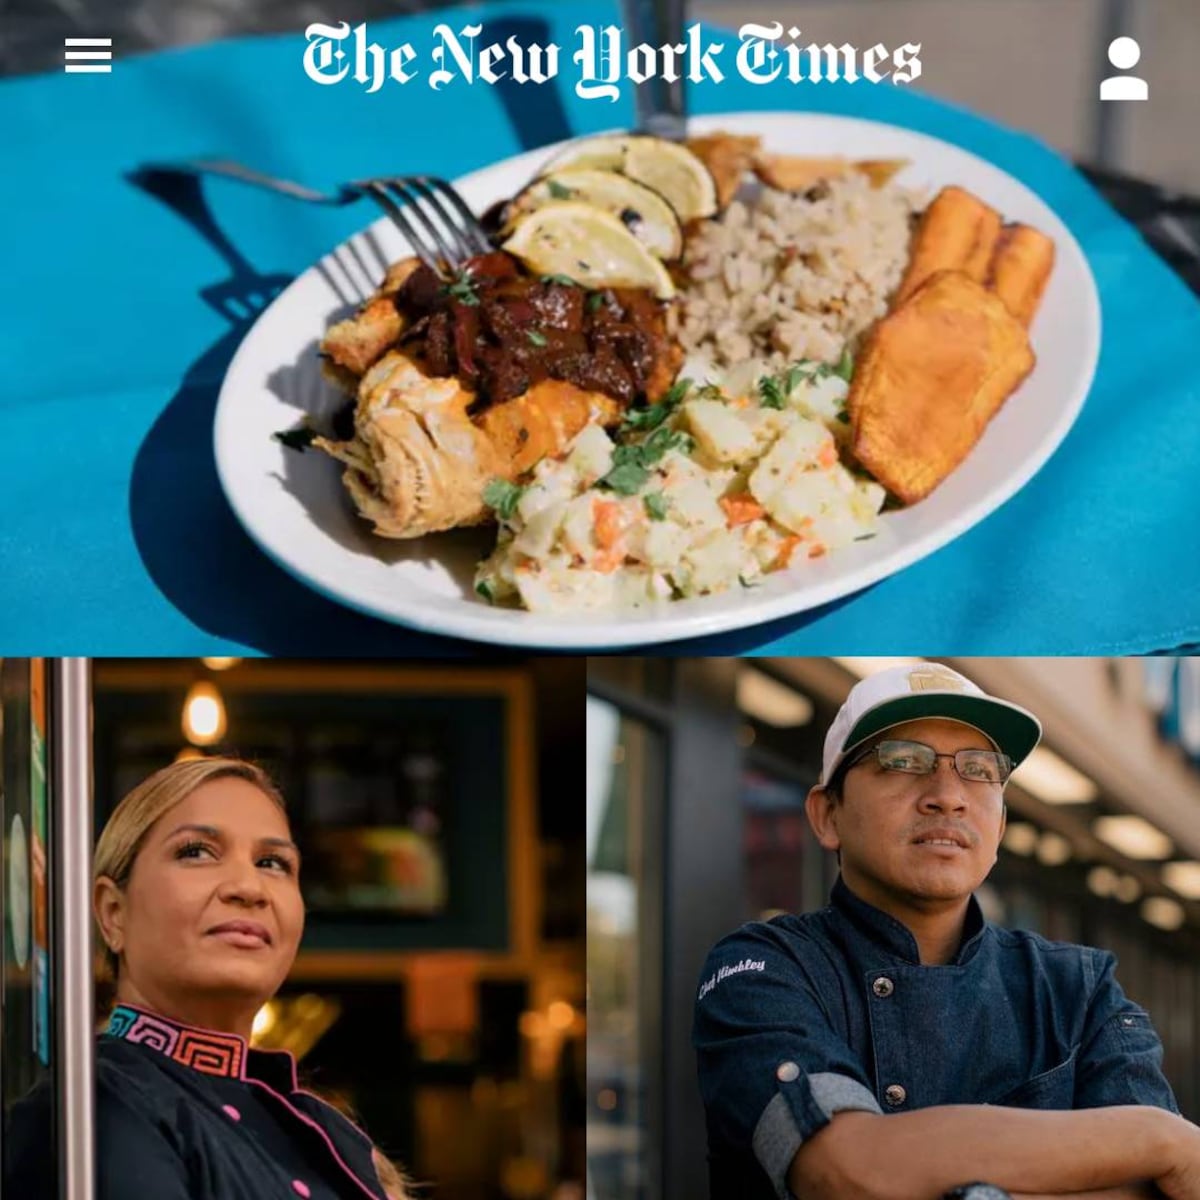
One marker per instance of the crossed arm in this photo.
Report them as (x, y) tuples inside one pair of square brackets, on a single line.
[(1118, 1153)]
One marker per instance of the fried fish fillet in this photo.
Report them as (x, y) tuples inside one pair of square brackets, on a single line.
[(933, 373), (351, 346), (728, 156), (1020, 268), (958, 232), (418, 463), (791, 173)]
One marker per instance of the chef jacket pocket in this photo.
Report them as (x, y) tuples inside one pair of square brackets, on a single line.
[(1051, 1089)]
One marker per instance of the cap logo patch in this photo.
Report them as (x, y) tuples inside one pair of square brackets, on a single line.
[(934, 678)]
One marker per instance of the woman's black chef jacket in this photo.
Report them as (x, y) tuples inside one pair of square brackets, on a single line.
[(194, 1114)]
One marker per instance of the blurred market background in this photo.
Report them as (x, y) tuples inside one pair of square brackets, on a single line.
[(439, 989), (696, 777)]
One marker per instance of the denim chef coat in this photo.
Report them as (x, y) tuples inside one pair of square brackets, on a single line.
[(193, 1114), (804, 1016)]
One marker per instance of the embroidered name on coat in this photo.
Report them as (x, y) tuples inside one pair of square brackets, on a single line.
[(747, 964)]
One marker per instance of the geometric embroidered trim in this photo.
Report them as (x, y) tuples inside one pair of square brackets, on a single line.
[(203, 1050)]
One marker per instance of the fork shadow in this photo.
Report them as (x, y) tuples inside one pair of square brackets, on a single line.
[(187, 536)]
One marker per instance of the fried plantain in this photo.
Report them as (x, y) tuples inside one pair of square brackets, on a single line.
[(1020, 269), (931, 376), (957, 233)]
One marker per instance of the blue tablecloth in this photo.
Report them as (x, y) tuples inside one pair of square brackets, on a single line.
[(116, 539)]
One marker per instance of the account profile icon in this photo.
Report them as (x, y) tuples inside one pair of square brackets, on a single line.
[(1123, 53)]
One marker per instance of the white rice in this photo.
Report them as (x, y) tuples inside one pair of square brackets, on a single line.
[(782, 277)]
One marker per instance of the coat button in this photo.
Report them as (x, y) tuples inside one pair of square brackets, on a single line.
[(895, 1095), (787, 1072), (883, 987), (300, 1187)]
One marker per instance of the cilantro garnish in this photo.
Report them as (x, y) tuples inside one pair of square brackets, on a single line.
[(462, 289), (627, 474), (631, 464), (770, 395), (656, 505), (662, 440), (654, 415), (593, 301), (502, 497), (538, 339), (484, 589), (796, 375), (773, 390), (558, 191), (561, 280)]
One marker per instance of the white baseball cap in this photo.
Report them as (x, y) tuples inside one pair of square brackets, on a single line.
[(922, 690)]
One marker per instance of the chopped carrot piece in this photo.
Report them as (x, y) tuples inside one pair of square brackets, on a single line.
[(741, 510), (606, 520), (828, 455), (816, 550), (607, 561), (785, 552)]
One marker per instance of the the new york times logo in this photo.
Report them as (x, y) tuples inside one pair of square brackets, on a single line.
[(765, 54)]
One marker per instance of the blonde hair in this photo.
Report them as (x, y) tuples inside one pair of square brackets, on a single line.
[(125, 832), (395, 1185)]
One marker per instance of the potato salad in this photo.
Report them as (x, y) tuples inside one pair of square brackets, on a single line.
[(716, 485)]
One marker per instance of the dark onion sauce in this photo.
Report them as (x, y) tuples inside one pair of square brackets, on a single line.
[(501, 331)]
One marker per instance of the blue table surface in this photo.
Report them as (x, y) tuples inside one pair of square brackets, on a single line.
[(116, 538)]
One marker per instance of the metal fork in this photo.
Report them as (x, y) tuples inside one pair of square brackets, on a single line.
[(661, 104), (412, 202)]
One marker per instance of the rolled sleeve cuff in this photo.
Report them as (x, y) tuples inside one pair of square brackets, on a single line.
[(778, 1134)]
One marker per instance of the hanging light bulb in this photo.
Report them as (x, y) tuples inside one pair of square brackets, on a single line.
[(220, 664), (203, 715)]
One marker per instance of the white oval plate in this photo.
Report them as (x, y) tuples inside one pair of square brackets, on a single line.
[(294, 506)]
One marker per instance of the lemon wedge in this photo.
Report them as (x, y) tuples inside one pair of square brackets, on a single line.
[(643, 212), (589, 245), (675, 173), (668, 168), (604, 153)]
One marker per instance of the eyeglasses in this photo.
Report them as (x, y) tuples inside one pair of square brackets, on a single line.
[(915, 758)]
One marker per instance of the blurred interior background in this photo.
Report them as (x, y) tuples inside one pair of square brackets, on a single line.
[(1033, 64), (697, 773), (439, 989)]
